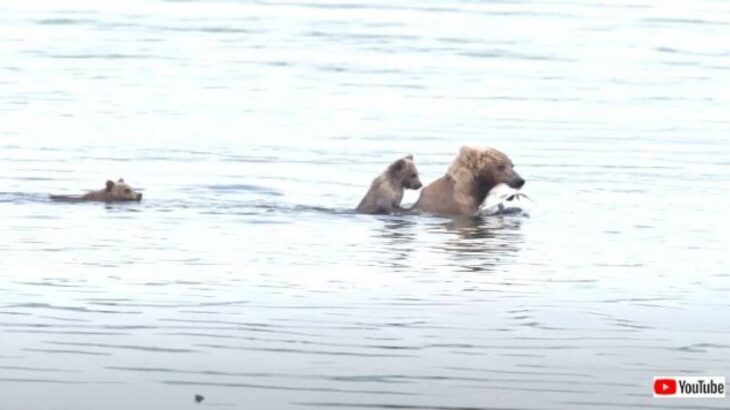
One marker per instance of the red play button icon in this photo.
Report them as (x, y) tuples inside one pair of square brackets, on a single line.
[(665, 387)]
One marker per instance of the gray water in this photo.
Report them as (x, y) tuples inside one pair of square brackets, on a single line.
[(253, 128)]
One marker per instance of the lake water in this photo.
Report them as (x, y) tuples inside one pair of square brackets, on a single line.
[(253, 128)]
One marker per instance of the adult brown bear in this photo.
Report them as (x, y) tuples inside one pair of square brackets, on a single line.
[(462, 190)]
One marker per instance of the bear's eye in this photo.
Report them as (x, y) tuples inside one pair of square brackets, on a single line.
[(501, 168), (413, 175), (127, 191)]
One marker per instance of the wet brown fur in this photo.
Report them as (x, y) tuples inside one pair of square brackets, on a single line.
[(467, 182), (386, 191), (114, 192)]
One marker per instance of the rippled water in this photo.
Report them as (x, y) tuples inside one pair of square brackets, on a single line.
[(253, 128)]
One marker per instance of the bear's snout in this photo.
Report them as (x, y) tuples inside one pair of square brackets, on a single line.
[(139, 197), (517, 182)]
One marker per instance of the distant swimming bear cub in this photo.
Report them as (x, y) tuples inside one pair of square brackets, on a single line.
[(114, 191), (386, 191)]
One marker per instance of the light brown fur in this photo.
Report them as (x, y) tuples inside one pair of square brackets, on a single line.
[(468, 180), (114, 192), (386, 191)]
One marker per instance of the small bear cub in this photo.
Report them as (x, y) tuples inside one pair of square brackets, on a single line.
[(386, 191), (114, 192)]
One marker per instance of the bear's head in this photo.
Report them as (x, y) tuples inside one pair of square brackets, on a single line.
[(487, 166), (121, 191), (501, 170), (404, 172)]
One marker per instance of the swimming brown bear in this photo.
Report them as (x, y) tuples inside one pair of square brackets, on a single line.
[(474, 172), (114, 192), (386, 191)]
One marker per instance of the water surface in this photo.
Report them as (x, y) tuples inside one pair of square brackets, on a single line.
[(253, 128)]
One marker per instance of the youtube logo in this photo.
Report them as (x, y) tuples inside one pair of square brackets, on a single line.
[(665, 387), (701, 387)]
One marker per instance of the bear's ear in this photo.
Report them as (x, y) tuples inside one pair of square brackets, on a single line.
[(469, 158), (109, 185), (467, 151), (409, 156), (121, 180), (397, 166)]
